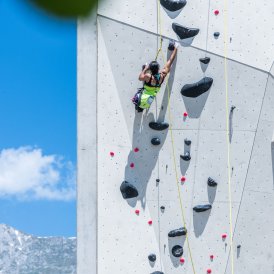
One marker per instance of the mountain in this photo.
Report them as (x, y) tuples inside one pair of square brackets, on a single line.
[(21, 253)]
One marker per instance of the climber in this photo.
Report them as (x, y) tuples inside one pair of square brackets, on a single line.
[(153, 78)]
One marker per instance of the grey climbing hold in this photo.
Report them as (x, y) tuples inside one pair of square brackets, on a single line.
[(211, 182), (177, 232), (201, 208), (216, 34), (171, 45), (177, 251), (173, 5), (186, 156), (158, 125), (196, 89), (157, 272), (187, 142), (205, 60), (152, 257), (128, 190), (155, 141), (184, 32)]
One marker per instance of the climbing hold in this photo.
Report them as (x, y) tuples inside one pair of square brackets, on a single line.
[(111, 154), (205, 60), (150, 222), (211, 182), (173, 5), (177, 251), (184, 32), (158, 126), (182, 260), (155, 141), (196, 89), (186, 156), (136, 149), (128, 190), (211, 257), (183, 179), (239, 246), (171, 45), (232, 108), (177, 232), (187, 142), (162, 208), (152, 257), (185, 114), (216, 34), (201, 208), (216, 12), (157, 272), (137, 211), (224, 236), (132, 165), (157, 180), (209, 271)]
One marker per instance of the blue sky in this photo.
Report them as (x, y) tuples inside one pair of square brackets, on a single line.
[(37, 120)]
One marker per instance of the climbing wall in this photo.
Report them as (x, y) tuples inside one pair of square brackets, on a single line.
[(168, 190)]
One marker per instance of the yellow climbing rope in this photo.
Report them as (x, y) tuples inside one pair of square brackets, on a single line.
[(227, 137), (172, 141)]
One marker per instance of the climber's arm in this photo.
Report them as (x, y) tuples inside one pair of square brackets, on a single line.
[(143, 75), (167, 66)]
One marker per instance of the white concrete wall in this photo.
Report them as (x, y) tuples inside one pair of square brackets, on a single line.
[(126, 40)]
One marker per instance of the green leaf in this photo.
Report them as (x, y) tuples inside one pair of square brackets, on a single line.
[(67, 8)]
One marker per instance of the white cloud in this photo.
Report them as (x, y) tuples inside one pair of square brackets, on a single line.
[(28, 174)]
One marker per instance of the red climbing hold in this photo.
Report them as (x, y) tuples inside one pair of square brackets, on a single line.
[(136, 149), (216, 12), (208, 271), (182, 260), (211, 257), (137, 211), (224, 236), (150, 222), (183, 179), (185, 114), (111, 154), (132, 165)]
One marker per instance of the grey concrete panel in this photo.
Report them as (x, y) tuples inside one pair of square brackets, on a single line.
[(268, 105), (254, 232), (142, 14), (87, 146)]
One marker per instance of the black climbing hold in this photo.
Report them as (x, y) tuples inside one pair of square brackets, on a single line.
[(157, 272), (201, 208), (173, 5), (187, 142), (158, 126), (155, 141), (152, 257), (205, 60), (216, 34), (239, 246), (177, 251), (211, 182), (232, 108), (128, 190), (162, 208), (186, 156), (184, 32), (157, 180), (171, 45), (177, 232), (196, 89)]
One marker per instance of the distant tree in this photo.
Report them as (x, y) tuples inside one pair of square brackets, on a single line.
[(67, 8)]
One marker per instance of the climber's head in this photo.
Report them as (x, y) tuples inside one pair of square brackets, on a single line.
[(154, 67)]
